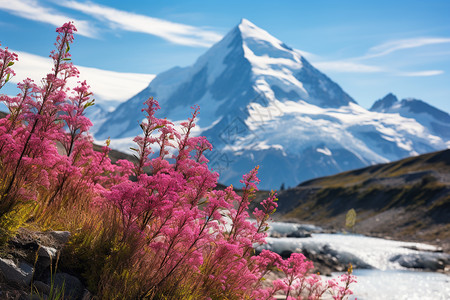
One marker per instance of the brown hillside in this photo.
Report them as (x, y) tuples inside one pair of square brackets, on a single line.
[(407, 199)]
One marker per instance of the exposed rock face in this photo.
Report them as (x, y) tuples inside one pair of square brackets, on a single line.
[(30, 257)]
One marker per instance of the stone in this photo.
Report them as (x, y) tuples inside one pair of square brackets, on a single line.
[(73, 288), (20, 274), (41, 287), (299, 234), (61, 237), (45, 256), (432, 261), (33, 297), (87, 295), (344, 258)]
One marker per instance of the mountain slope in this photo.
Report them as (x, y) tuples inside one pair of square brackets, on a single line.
[(430, 117), (263, 103), (406, 199), (247, 65)]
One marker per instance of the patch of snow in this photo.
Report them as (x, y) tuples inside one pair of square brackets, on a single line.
[(324, 151), (286, 228), (398, 284)]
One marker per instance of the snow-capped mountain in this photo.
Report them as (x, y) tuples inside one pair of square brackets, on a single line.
[(437, 121), (262, 102)]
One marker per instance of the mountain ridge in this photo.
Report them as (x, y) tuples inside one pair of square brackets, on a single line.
[(429, 116)]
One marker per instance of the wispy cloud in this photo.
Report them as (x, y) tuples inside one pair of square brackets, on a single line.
[(392, 46), (106, 85), (32, 10), (421, 73), (359, 64), (174, 32), (347, 66)]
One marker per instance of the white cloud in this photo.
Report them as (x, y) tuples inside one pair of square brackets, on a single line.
[(346, 66), (30, 9), (358, 65), (174, 32), (106, 85), (421, 73), (392, 46)]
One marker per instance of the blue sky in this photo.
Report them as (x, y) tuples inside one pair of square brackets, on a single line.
[(370, 48)]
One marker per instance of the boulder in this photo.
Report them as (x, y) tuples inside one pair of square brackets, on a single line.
[(299, 234), (41, 287), (345, 258), (431, 261), (46, 255), (62, 237), (20, 274), (73, 288)]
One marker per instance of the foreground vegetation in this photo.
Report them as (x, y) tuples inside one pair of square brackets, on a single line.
[(153, 229)]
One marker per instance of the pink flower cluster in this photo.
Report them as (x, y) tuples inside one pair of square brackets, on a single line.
[(46, 151), (7, 59), (190, 233)]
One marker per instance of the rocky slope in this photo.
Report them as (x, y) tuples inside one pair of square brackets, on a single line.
[(29, 268)]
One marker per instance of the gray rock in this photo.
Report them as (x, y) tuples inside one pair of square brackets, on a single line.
[(432, 261), (33, 297), (41, 287), (61, 237), (73, 288), (45, 256), (299, 234), (87, 295), (19, 274), (344, 258)]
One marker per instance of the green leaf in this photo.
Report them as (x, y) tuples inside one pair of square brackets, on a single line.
[(7, 77), (68, 46), (66, 59), (10, 64), (90, 103), (134, 149)]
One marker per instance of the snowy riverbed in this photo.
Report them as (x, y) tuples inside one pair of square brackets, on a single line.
[(391, 276), (401, 285)]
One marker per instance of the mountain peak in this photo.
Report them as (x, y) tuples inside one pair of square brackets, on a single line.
[(252, 34), (245, 22), (382, 105)]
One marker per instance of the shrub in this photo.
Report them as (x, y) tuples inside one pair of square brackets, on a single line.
[(155, 229)]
